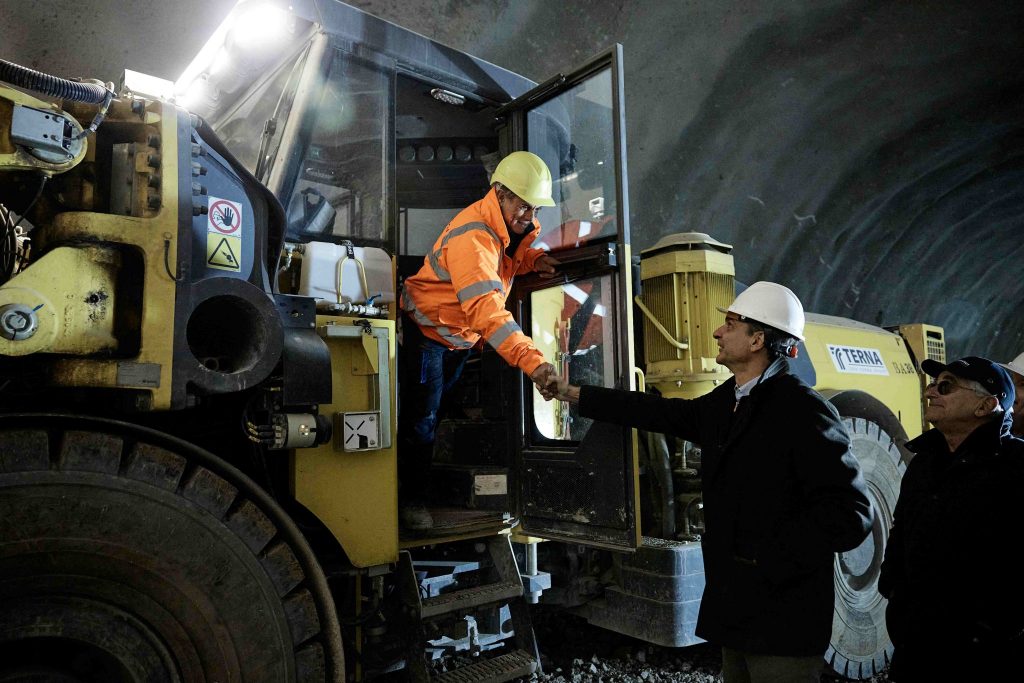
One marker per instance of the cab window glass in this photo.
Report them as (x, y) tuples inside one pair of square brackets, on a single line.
[(340, 190), (572, 325), (574, 134), (242, 131)]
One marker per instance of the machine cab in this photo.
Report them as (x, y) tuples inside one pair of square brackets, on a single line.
[(375, 137)]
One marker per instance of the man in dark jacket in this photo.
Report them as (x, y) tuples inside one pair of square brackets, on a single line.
[(956, 602), (782, 490)]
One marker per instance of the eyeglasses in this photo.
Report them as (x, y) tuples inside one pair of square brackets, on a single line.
[(945, 387)]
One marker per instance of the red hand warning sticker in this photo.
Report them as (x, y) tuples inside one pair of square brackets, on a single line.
[(224, 217)]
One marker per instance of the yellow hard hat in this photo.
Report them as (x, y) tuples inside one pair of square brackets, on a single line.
[(527, 175)]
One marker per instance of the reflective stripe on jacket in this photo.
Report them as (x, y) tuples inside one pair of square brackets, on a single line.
[(459, 294)]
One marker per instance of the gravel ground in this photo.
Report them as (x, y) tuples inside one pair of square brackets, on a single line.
[(573, 651)]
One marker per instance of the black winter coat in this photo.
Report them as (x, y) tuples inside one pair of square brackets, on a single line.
[(956, 598), (782, 493)]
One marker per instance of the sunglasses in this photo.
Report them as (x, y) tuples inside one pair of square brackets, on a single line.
[(945, 387)]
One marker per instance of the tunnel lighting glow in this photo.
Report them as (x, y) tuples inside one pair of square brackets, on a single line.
[(144, 84), (259, 24), (220, 61), (194, 94)]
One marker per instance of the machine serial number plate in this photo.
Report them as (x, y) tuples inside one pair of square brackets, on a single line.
[(138, 375)]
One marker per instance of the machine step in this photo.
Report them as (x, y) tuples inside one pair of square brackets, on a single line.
[(468, 598), (502, 668), (484, 620)]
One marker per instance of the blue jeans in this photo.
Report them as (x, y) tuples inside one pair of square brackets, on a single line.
[(429, 373)]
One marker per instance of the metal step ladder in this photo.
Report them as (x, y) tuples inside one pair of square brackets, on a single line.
[(497, 656)]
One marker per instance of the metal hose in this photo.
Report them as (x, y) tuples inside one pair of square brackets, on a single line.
[(30, 79)]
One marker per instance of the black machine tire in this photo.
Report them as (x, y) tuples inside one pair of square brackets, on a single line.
[(860, 645), (130, 555)]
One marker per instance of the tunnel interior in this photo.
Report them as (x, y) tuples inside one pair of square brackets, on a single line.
[(865, 153)]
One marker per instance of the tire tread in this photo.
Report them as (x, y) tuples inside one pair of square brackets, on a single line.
[(128, 457), (90, 452)]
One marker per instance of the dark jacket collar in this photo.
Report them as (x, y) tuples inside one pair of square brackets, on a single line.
[(733, 428), (772, 375), (985, 439)]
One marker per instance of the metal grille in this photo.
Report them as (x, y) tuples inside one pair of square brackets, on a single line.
[(936, 350), (686, 305), (718, 290), (660, 298)]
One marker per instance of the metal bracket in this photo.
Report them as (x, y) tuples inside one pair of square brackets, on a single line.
[(381, 336), (48, 135)]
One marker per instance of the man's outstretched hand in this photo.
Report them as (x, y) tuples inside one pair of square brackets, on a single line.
[(551, 385), (544, 373)]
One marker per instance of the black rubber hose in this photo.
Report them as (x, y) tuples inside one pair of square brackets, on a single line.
[(30, 79)]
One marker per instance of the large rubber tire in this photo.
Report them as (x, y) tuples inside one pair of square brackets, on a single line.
[(860, 644), (129, 555)]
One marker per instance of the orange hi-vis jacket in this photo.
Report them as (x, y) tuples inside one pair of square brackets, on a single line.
[(459, 294)]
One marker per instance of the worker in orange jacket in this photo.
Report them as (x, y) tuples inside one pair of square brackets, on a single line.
[(457, 300)]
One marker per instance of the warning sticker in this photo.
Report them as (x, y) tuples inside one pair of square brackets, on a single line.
[(223, 251), (224, 217)]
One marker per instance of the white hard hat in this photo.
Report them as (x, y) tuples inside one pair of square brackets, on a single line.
[(1015, 365), (770, 304)]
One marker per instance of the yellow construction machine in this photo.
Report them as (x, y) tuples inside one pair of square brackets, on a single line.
[(198, 389)]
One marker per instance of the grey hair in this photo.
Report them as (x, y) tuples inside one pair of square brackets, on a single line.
[(976, 387)]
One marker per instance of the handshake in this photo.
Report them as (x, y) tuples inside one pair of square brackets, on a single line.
[(551, 385)]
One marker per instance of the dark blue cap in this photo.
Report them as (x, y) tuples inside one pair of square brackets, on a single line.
[(988, 374)]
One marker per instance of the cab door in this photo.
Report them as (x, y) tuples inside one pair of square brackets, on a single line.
[(577, 479)]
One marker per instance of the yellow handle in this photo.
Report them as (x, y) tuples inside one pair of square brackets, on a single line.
[(641, 380)]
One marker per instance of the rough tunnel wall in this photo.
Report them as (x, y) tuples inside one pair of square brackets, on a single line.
[(865, 153)]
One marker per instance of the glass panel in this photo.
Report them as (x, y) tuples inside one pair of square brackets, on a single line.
[(574, 134), (572, 324), (340, 190), (419, 228), (441, 157), (242, 130)]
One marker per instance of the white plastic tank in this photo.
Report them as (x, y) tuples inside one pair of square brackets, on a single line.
[(318, 276)]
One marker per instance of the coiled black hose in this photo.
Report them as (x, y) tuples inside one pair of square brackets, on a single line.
[(30, 79)]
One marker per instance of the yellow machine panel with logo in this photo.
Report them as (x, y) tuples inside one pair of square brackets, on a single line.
[(848, 354)]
